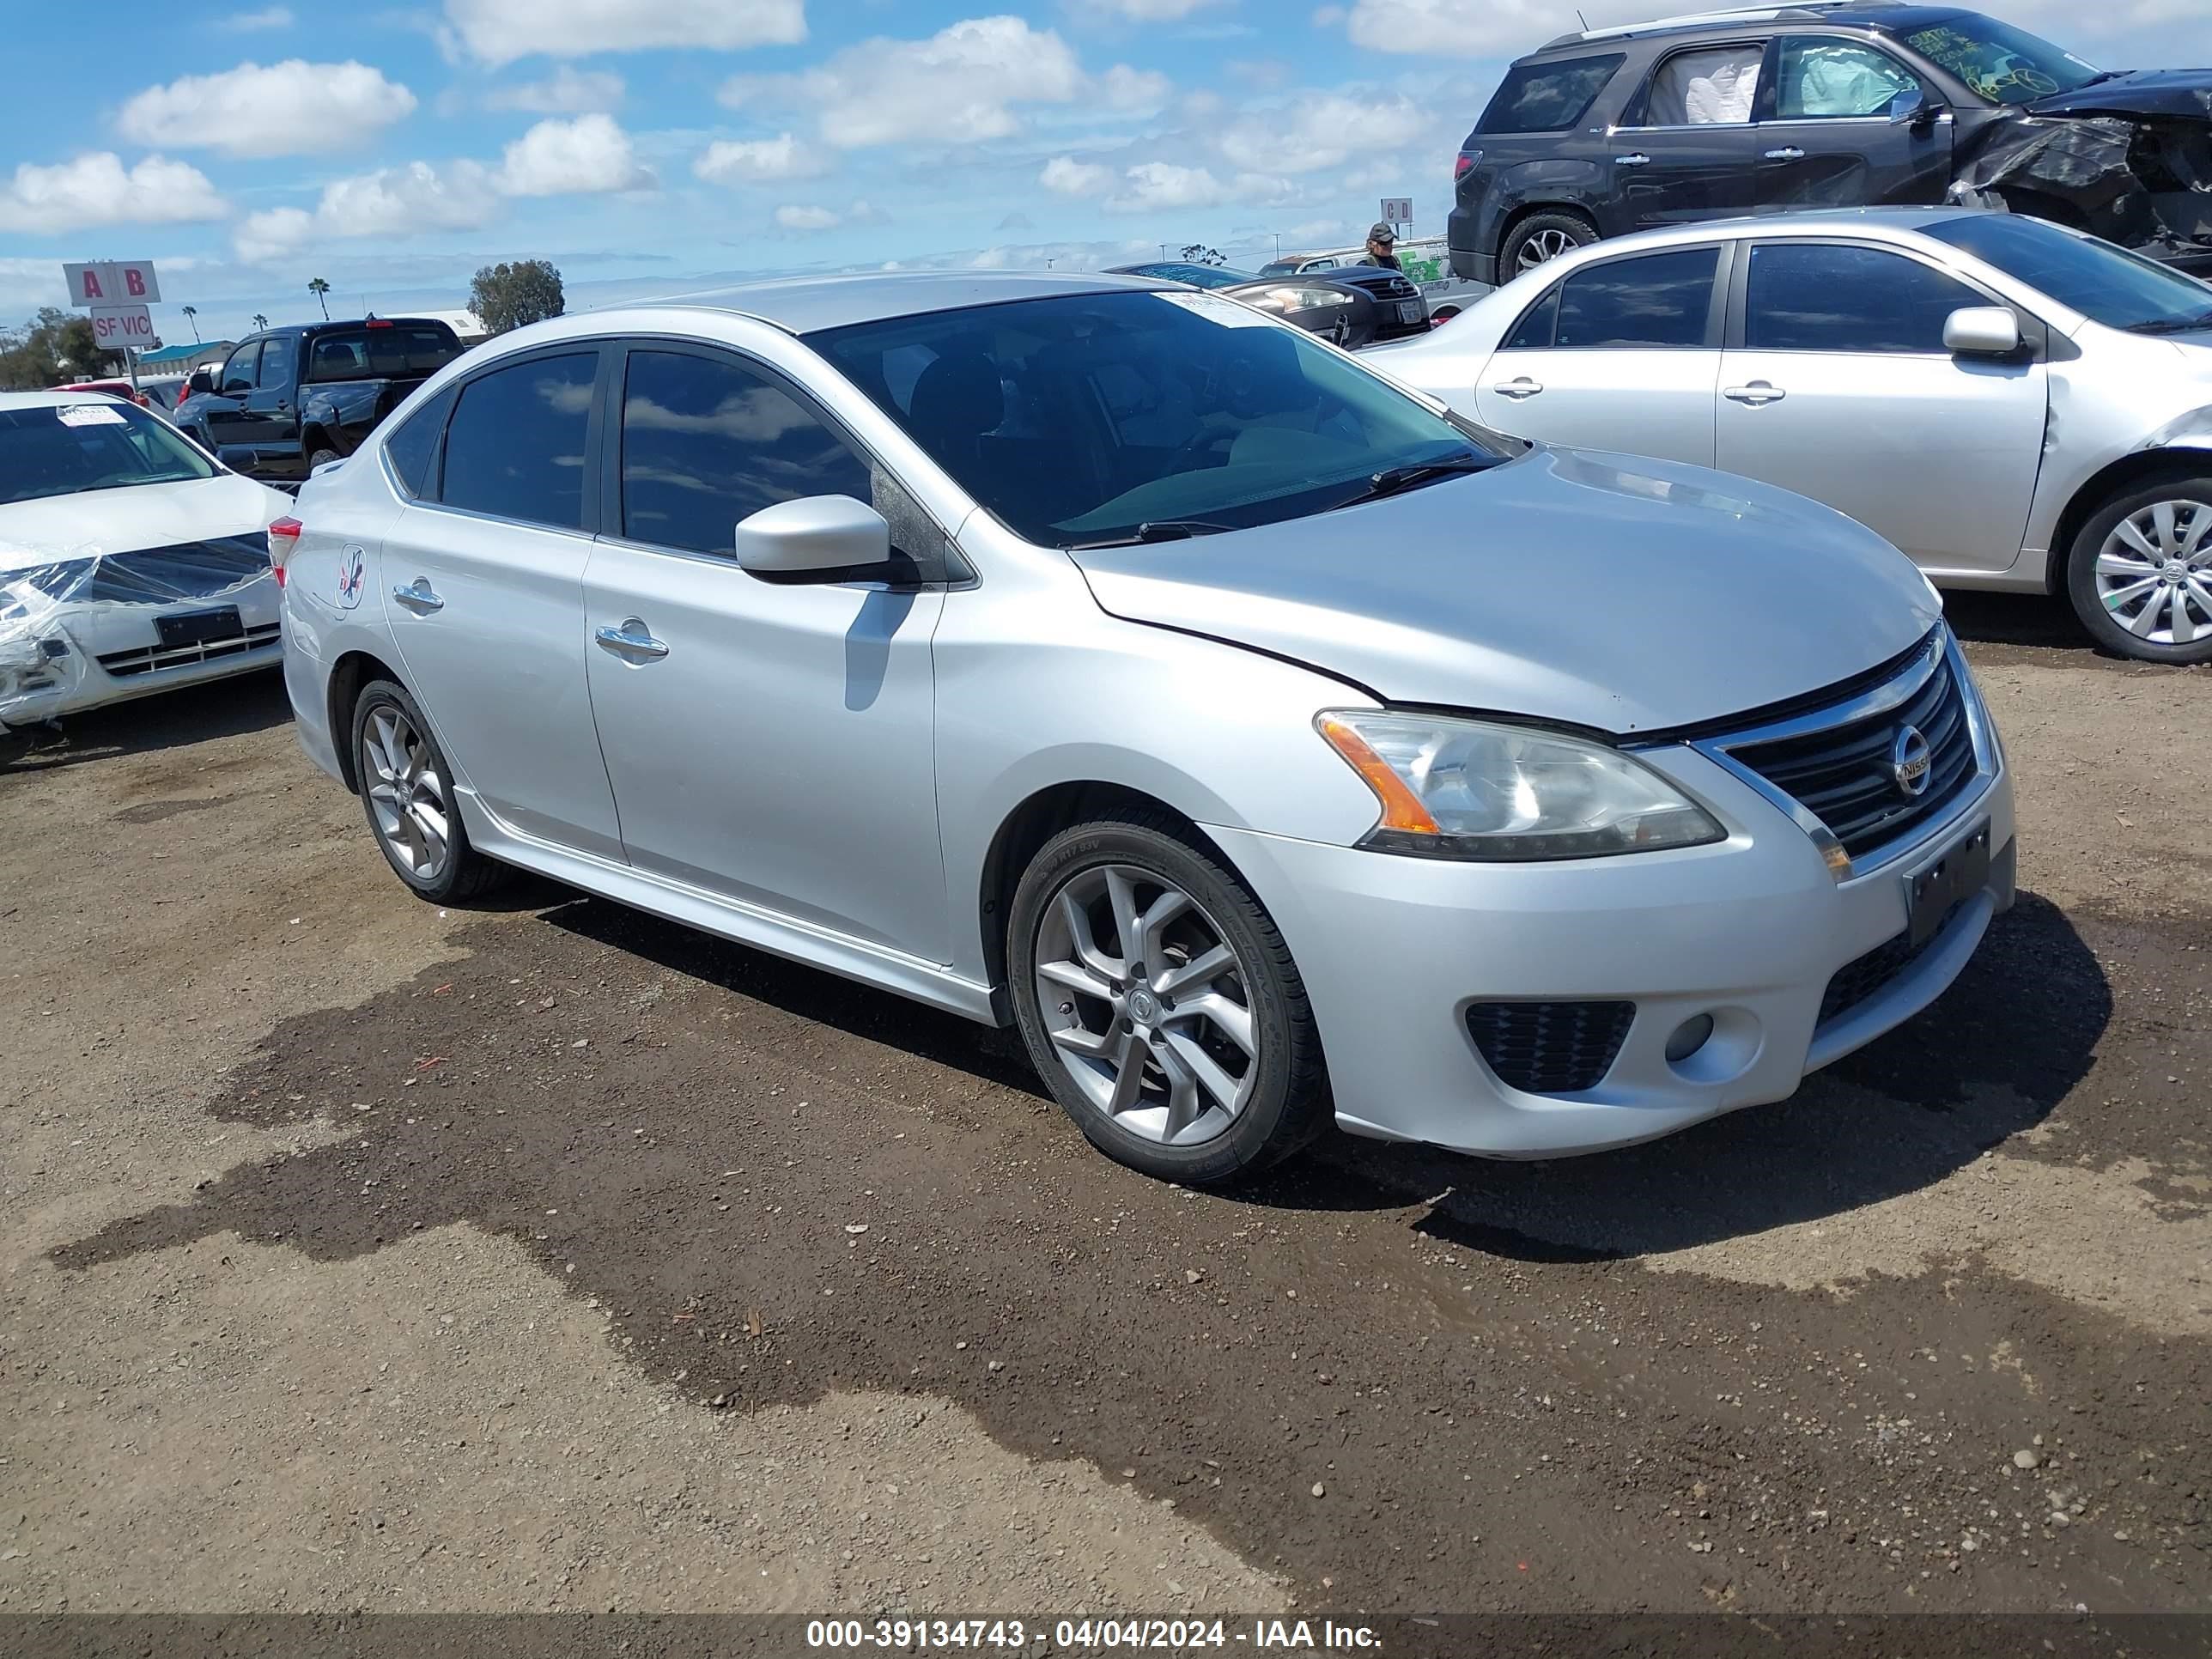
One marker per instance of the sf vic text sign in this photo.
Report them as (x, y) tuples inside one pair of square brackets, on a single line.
[(112, 283)]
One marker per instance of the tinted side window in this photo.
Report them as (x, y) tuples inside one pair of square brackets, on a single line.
[(1710, 86), (276, 363), (1659, 299), (1535, 331), (414, 442), (1806, 296), (1838, 80), (237, 373), (1547, 97), (339, 356), (706, 442), (515, 445)]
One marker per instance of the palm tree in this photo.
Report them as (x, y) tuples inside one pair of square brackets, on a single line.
[(260, 321), (319, 288), (191, 316)]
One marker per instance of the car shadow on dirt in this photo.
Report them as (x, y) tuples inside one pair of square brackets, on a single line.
[(172, 719)]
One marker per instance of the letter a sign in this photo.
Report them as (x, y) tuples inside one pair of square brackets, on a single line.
[(112, 283)]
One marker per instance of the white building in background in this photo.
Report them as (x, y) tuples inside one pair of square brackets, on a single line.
[(462, 323)]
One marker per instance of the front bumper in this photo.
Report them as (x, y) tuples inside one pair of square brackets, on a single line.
[(1751, 931), (72, 657)]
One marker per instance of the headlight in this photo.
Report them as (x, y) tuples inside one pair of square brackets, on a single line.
[(1467, 789), (1300, 299)]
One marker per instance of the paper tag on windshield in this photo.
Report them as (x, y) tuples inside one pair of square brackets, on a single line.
[(1229, 314), (92, 415)]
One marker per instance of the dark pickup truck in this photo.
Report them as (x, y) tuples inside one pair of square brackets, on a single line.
[(300, 396)]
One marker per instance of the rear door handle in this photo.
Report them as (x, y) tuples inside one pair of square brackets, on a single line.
[(1517, 389), (1638, 159), (1758, 392), (419, 597), (1787, 153), (631, 641)]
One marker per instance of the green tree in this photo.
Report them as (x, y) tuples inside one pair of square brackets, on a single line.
[(54, 346), (505, 296), (1197, 253), (192, 316), (260, 321), (319, 288)]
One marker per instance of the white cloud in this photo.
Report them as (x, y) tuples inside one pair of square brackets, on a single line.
[(1150, 11), (1470, 29), (393, 202), (1313, 133), (959, 87), (291, 109), (1162, 186), (247, 22), (1134, 91), (1070, 177), (565, 92), (805, 218), (586, 156), (759, 161), (499, 31), (96, 190)]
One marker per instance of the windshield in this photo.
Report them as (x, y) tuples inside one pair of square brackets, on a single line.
[(1081, 418), (1194, 276), (2106, 283), (60, 449), (2004, 64)]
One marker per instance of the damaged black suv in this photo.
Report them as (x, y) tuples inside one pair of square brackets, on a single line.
[(1836, 103)]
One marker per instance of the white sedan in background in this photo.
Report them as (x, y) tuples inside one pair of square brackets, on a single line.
[(2016, 406), (130, 563)]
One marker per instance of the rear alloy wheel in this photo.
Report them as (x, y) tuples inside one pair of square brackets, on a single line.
[(318, 457), (1542, 238), (1160, 1005), (407, 791), (2141, 573)]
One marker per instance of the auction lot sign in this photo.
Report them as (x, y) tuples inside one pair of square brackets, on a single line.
[(116, 292)]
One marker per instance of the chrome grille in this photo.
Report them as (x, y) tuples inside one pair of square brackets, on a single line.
[(153, 659), (1844, 774)]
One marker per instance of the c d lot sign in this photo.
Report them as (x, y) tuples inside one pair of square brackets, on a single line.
[(119, 326)]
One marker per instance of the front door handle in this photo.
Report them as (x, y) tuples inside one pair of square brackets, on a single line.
[(1758, 392), (631, 641), (419, 597), (1518, 389), (1638, 159), (1787, 153)]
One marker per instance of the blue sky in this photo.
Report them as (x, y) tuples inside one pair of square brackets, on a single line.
[(393, 147)]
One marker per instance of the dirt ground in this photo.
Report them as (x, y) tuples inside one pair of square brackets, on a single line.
[(357, 1255)]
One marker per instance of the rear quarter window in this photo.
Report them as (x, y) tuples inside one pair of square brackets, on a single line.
[(1548, 97)]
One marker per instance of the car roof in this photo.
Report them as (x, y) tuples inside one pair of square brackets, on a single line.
[(1809, 221), (1890, 16), (800, 305), (42, 399)]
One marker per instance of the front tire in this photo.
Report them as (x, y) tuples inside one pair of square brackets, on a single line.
[(1160, 1005), (406, 789), (2140, 572)]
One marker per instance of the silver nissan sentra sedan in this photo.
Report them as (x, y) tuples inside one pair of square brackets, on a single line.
[(1114, 661)]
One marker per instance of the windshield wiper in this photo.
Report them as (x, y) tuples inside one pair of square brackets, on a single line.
[(1393, 479), (2171, 325), (1156, 530)]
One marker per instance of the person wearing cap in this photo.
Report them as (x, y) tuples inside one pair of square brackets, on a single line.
[(1382, 240)]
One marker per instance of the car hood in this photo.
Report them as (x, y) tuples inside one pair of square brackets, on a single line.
[(2166, 95), (1598, 591), (51, 527)]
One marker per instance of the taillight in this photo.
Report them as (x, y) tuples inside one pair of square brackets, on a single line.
[(283, 536), (1464, 165)]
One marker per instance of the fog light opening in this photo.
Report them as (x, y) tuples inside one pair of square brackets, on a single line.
[(1688, 1037)]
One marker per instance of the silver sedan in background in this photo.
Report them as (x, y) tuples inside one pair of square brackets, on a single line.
[(1116, 662), (2016, 405)]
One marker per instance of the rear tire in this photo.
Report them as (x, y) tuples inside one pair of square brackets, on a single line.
[(1542, 238), (317, 457), (2140, 572), (406, 790), (1187, 1072)]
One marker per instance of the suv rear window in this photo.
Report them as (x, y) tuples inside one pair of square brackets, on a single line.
[(362, 354), (1548, 97)]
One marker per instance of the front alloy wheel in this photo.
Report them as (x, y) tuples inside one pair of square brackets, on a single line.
[(1159, 1003), (2154, 572), (1146, 1005)]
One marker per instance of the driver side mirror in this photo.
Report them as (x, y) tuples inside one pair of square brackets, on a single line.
[(1981, 331), (815, 538), (1910, 108), (200, 382)]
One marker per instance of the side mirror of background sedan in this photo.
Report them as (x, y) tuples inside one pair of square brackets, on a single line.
[(1982, 331), (239, 457), (817, 538), (200, 382), (1910, 107)]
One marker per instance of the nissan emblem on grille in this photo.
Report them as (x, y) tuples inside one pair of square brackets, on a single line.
[(1909, 761)]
